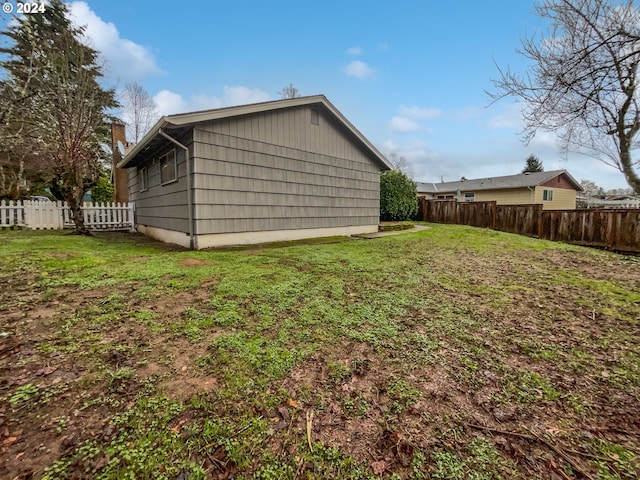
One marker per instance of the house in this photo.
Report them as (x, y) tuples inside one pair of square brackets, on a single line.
[(272, 171), (555, 190), (611, 201)]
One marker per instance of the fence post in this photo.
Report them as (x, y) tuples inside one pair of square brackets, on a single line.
[(494, 208), (540, 220), (132, 217), (616, 225)]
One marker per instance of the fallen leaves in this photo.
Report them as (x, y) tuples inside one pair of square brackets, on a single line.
[(10, 439), (378, 467)]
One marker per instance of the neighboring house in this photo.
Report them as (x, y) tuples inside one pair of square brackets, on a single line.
[(272, 171), (555, 190)]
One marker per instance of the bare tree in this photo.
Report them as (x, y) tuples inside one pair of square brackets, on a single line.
[(138, 110), (401, 164), (289, 92), (591, 189), (583, 81), (619, 191)]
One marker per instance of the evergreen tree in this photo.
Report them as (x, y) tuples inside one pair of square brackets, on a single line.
[(533, 164), (53, 106)]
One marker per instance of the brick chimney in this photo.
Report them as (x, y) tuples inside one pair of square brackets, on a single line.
[(120, 175)]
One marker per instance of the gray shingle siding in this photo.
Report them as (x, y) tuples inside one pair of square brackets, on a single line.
[(277, 171), (162, 206)]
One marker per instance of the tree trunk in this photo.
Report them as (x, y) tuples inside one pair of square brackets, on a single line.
[(627, 169), (75, 206)]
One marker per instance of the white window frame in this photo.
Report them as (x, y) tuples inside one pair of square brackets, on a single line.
[(144, 179), (547, 195), (166, 162), (469, 196)]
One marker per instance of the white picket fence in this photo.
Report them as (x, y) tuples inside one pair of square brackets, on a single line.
[(57, 215), (596, 203)]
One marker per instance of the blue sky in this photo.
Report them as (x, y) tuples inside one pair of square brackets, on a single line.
[(410, 75)]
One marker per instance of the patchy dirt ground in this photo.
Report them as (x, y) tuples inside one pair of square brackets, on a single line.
[(452, 353)]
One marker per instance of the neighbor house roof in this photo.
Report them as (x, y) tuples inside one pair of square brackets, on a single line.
[(182, 122), (521, 180)]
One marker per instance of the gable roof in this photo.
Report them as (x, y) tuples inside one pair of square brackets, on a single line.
[(184, 121), (520, 180)]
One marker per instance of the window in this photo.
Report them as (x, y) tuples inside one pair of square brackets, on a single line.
[(547, 195), (445, 197), (144, 179), (469, 196), (168, 168)]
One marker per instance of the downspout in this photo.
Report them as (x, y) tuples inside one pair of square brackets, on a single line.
[(189, 192), (531, 196)]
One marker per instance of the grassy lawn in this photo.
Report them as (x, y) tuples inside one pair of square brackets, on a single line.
[(451, 353)]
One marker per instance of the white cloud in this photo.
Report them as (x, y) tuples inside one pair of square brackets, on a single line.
[(239, 95), (416, 151), (404, 125), (510, 117), (389, 146), (468, 113), (416, 113), (355, 51), (546, 141), (409, 118), (359, 70), (126, 60), (168, 102), (418, 154)]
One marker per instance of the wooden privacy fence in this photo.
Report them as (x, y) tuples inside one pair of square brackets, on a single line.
[(475, 214), (615, 229), (606, 228), (57, 215), (520, 219)]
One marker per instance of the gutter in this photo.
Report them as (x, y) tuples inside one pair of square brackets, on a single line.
[(163, 122), (189, 192)]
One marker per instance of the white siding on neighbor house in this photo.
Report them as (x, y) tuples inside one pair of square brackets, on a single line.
[(278, 171)]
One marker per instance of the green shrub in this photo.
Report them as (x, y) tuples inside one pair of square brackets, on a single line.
[(102, 191), (398, 196)]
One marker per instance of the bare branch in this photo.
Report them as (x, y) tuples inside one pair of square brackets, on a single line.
[(289, 92), (138, 110), (583, 80)]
